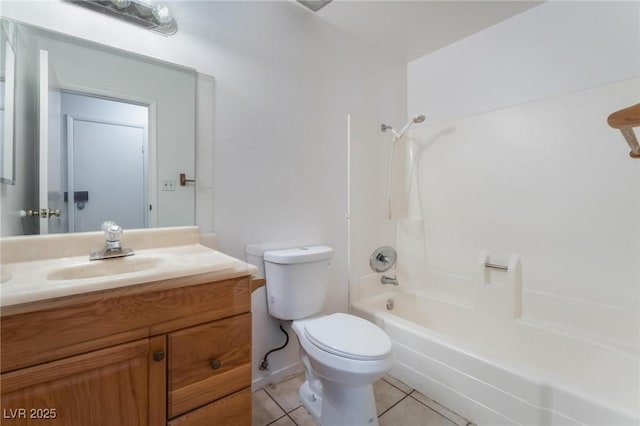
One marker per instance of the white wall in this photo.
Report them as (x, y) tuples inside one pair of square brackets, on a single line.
[(554, 48), (284, 84), (518, 159), (205, 107)]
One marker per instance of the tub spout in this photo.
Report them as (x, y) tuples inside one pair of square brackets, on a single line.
[(389, 280)]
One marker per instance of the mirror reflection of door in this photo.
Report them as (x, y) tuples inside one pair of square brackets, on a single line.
[(92, 159), (106, 144)]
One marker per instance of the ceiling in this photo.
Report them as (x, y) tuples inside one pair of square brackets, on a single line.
[(411, 29)]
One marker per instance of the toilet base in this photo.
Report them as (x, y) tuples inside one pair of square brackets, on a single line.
[(340, 405), (310, 400)]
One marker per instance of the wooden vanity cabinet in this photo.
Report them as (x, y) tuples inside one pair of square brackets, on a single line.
[(186, 360)]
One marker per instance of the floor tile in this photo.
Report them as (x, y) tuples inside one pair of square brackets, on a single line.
[(286, 392), (265, 410), (302, 417), (397, 383), (410, 412), (283, 421), (386, 396), (455, 418)]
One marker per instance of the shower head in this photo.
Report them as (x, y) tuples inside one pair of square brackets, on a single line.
[(417, 119)]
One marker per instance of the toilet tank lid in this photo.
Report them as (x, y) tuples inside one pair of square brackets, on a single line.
[(299, 255)]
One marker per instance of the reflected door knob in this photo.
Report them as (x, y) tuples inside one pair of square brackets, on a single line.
[(44, 213)]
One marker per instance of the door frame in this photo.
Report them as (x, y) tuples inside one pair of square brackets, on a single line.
[(151, 138)]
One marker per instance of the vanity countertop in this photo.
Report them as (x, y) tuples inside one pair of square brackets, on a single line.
[(164, 258)]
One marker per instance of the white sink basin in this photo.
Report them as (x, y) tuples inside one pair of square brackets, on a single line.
[(106, 268)]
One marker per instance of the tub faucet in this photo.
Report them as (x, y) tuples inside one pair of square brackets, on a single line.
[(112, 247), (389, 280)]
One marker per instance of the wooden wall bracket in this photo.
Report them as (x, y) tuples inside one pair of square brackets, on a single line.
[(625, 120)]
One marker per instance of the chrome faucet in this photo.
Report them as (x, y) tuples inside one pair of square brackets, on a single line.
[(389, 280), (112, 247)]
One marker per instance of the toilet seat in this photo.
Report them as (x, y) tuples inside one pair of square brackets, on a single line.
[(348, 336)]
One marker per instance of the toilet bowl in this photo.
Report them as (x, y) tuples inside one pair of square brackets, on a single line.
[(347, 354), (343, 355)]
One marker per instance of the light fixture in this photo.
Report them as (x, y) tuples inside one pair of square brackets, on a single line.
[(162, 14), (121, 4), (143, 7), (314, 5), (155, 17)]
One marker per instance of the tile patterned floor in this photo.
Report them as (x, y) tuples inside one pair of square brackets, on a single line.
[(397, 405)]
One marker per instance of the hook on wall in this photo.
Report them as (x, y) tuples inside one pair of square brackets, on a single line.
[(625, 120), (184, 180)]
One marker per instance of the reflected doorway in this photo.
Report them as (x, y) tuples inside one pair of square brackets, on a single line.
[(103, 167)]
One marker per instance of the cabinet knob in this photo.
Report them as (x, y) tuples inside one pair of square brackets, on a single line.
[(215, 364), (158, 356)]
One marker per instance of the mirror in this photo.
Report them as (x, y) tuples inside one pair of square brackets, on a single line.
[(114, 132), (7, 89)]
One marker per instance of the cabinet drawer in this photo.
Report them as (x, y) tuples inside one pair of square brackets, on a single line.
[(208, 362), (233, 410)]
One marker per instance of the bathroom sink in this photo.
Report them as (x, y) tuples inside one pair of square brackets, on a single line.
[(105, 268), (44, 267)]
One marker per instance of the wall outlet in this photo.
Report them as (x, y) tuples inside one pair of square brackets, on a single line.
[(169, 185)]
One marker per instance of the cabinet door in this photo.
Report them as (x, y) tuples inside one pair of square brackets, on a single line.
[(106, 387)]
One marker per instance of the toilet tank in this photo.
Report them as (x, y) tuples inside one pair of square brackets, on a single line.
[(297, 281)]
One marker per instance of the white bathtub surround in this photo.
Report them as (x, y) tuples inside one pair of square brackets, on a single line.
[(549, 184), (518, 158), (504, 372), (499, 290)]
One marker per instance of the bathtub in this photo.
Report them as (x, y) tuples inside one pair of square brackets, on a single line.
[(496, 372)]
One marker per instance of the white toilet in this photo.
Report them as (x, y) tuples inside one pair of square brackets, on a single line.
[(343, 355)]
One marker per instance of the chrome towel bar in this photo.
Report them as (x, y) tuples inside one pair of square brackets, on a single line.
[(494, 266)]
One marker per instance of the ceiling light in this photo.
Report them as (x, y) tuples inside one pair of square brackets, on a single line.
[(143, 7), (155, 17), (121, 4), (162, 14)]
